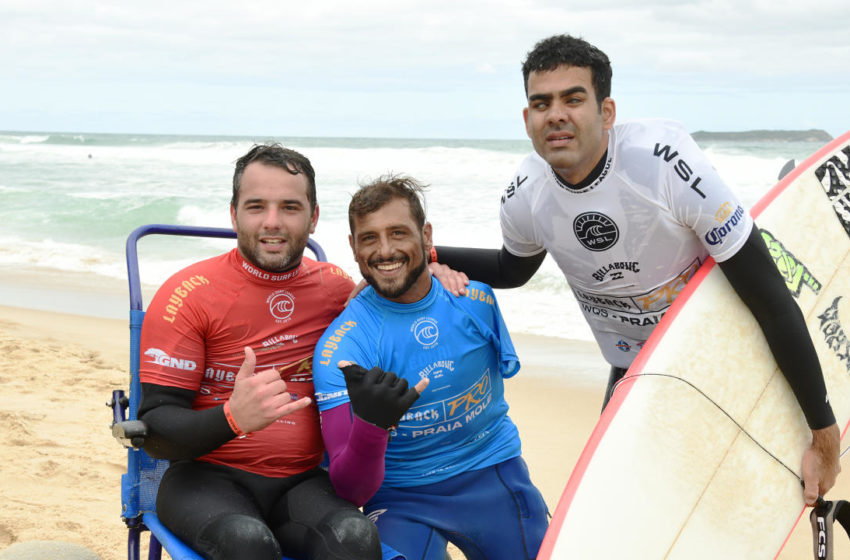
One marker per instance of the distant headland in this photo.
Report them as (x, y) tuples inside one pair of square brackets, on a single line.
[(812, 135)]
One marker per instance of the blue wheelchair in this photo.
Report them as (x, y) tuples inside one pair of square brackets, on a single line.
[(140, 483)]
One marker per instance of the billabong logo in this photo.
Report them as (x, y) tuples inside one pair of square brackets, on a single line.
[(596, 231), (837, 186), (793, 271), (160, 358), (281, 305), (715, 235), (425, 331), (833, 333)]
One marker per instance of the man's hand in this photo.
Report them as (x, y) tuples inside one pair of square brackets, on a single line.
[(821, 463), (452, 280), (258, 399), (379, 397), (357, 289)]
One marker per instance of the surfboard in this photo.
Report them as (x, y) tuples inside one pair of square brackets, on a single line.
[(669, 470)]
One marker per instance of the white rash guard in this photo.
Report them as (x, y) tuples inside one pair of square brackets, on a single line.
[(628, 240)]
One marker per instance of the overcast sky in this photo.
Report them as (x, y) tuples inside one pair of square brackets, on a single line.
[(429, 69)]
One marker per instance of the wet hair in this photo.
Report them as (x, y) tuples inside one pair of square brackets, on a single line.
[(566, 50), (373, 196), (276, 155)]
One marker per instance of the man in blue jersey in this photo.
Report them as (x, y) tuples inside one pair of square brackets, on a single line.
[(439, 462)]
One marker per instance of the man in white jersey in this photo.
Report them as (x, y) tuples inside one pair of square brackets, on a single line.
[(629, 212)]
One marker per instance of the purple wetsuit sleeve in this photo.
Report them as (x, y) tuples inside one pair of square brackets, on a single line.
[(356, 451)]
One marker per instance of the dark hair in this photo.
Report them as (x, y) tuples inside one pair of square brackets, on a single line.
[(566, 50), (278, 156), (373, 196)]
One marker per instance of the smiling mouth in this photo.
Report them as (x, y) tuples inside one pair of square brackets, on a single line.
[(272, 242), (388, 267)]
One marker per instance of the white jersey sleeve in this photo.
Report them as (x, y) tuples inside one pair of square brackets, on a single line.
[(519, 234), (698, 197)]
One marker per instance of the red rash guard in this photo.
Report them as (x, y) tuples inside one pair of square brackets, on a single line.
[(201, 319)]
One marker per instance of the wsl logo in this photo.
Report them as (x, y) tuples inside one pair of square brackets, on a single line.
[(281, 305), (596, 231), (426, 332)]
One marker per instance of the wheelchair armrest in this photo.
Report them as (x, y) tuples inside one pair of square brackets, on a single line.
[(130, 433)]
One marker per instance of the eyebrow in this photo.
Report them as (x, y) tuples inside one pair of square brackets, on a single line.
[(562, 93), (284, 201)]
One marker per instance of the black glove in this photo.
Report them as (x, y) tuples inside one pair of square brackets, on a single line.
[(377, 396)]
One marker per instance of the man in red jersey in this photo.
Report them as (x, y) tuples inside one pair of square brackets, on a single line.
[(245, 446)]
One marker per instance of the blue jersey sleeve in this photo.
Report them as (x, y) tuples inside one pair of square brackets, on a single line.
[(481, 302), (341, 341)]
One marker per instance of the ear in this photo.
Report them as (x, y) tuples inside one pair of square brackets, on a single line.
[(233, 217), (427, 232), (609, 113), (314, 219), (525, 119)]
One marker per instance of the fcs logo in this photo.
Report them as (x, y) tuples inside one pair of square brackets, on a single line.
[(160, 358), (425, 331), (281, 305)]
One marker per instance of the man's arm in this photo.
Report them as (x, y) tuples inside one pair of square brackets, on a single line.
[(356, 452), (753, 274), (355, 433), (498, 268), (177, 431)]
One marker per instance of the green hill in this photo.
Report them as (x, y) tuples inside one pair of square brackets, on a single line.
[(813, 135)]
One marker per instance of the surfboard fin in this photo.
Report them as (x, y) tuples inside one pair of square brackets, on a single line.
[(823, 516), (786, 169)]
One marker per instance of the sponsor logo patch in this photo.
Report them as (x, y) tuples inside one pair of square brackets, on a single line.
[(716, 235), (796, 275), (160, 358)]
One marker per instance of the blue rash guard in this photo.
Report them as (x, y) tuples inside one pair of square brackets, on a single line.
[(461, 344)]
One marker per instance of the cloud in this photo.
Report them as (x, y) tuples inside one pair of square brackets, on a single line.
[(389, 65)]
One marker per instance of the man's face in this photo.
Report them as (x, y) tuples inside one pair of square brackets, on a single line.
[(273, 219), (390, 249), (564, 121)]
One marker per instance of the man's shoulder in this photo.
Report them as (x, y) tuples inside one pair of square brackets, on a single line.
[(326, 268), (531, 174), (202, 272), (327, 276), (636, 133)]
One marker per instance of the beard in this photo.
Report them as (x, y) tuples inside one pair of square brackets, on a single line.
[(391, 289), (252, 250)]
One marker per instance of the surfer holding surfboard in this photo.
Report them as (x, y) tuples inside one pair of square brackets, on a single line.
[(629, 212)]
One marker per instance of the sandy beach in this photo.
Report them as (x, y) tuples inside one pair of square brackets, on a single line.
[(61, 473)]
